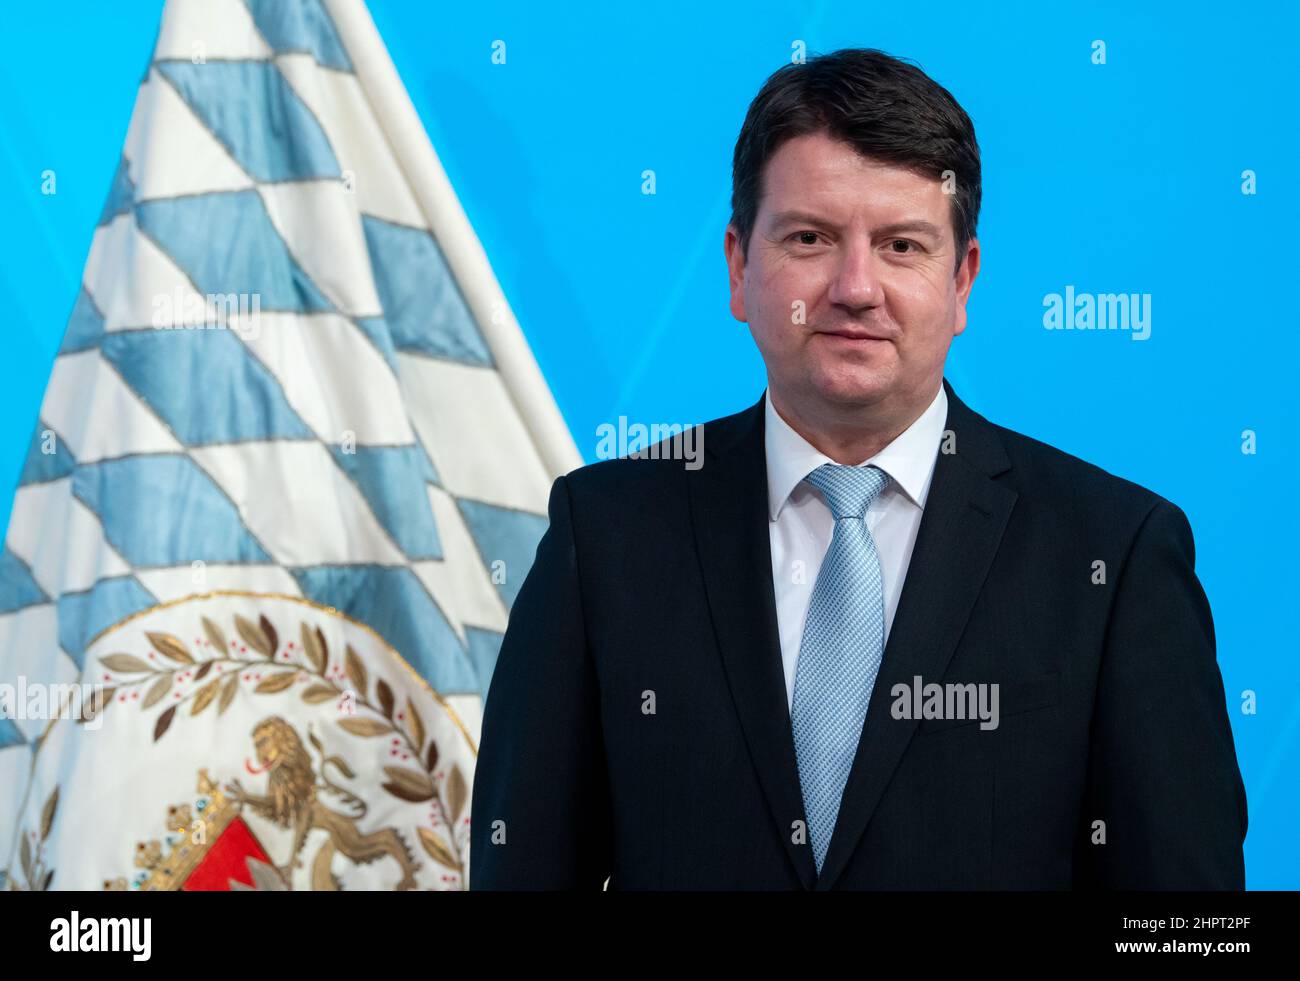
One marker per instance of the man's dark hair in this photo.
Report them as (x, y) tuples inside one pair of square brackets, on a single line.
[(886, 109)]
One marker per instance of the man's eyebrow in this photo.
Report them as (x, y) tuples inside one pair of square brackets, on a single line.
[(808, 218), (800, 218), (920, 225)]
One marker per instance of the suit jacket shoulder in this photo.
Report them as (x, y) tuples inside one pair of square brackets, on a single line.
[(659, 468), (1082, 496)]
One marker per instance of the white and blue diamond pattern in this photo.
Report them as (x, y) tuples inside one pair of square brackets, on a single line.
[(373, 441)]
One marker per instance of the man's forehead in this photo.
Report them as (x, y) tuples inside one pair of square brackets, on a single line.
[(814, 184)]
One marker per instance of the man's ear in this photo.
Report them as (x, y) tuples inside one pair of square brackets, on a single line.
[(965, 280), (735, 272)]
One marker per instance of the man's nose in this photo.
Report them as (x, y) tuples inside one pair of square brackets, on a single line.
[(855, 282)]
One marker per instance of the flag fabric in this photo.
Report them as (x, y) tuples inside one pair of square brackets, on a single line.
[(289, 471)]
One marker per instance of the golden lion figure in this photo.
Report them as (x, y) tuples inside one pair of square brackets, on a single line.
[(292, 799)]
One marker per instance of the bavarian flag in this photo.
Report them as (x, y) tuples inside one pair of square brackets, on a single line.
[(290, 469)]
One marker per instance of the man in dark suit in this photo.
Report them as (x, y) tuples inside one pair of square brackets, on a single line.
[(874, 641)]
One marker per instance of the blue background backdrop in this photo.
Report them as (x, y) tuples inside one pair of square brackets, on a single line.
[(1117, 178)]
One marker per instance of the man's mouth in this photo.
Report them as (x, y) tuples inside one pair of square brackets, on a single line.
[(854, 336)]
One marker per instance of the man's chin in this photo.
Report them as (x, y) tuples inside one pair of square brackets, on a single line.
[(852, 390)]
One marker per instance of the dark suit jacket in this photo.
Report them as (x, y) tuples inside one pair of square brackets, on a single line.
[(637, 727)]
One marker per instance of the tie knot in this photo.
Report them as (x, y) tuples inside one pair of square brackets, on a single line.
[(849, 490)]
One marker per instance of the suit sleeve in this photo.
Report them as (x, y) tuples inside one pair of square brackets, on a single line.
[(1163, 772), (540, 816)]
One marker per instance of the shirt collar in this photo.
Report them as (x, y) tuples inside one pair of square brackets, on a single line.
[(909, 459)]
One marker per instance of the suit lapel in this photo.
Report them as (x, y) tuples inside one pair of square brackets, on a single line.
[(965, 515), (729, 512)]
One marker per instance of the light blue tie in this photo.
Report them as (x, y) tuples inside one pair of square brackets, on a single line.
[(839, 657)]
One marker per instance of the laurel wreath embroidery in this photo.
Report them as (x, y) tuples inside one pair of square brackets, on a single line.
[(31, 852), (171, 665)]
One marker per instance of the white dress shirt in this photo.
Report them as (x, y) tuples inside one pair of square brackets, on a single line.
[(800, 522)]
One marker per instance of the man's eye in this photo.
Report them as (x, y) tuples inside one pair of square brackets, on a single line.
[(805, 238), (908, 246)]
